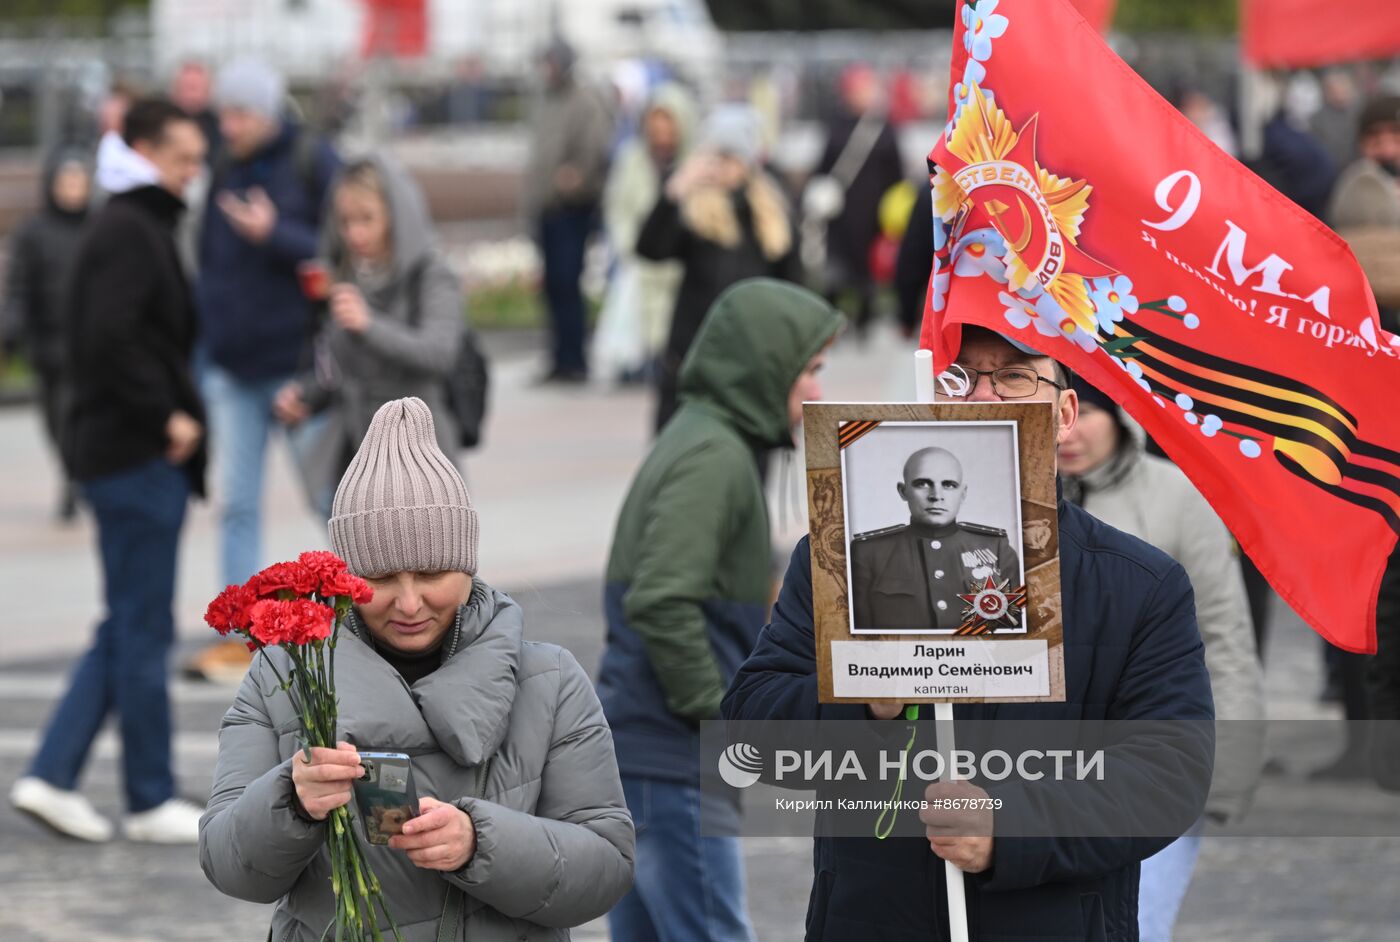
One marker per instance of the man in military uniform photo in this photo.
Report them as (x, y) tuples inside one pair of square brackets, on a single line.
[(909, 577)]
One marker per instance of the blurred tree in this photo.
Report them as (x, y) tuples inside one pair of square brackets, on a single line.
[(1189, 16), (61, 9)]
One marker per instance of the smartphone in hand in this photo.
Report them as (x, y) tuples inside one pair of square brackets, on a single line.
[(385, 794)]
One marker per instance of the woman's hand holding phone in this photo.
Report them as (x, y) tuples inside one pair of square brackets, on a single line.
[(323, 784), (441, 837)]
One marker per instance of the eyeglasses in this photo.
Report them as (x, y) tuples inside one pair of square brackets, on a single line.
[(1011, 382)]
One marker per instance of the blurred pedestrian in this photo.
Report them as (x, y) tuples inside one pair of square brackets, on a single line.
[(914, 264), (395, 325), (1207, 114), (688, 586), (134, 440), (1383, 679), (573, 133), (1106, 471), (1334, 124), (1365, 211), (112, 108), (266, 206), (192, 90), (642, 294), (1295, 164), (36, 289), (1365, 207), (522, 831), (725, 220), (862, 158)]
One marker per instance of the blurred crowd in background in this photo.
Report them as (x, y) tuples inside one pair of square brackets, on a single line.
[(609, 188), (350, 228), (606, 190)]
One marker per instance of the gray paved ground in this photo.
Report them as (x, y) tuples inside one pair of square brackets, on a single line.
[(548, 488)]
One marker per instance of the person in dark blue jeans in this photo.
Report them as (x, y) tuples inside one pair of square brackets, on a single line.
[(564, 236), (267, 202), (134, 443), (563, 188), (709, 872), (139, 515)]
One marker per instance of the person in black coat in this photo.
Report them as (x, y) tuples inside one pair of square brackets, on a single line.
[(725, 220), (1132, 653), (862, 149), (41, 262), (914, 265), (133, 441), (1383, 679)]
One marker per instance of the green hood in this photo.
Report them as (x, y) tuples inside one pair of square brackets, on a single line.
[(754, 342)]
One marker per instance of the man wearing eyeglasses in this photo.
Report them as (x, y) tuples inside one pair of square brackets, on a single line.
[(1132, 652), (909, 577)]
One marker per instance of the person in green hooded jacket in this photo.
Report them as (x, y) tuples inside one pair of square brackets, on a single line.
[(687, 593)]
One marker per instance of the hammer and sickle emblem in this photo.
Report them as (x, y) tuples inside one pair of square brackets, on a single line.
[(997, 209)]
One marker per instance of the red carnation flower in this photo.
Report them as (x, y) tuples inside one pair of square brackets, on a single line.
[(343, 583), (323, 563), (229, 610), (294, 621), (292, 577)]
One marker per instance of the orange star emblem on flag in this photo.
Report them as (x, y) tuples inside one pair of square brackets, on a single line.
[(994, 180)]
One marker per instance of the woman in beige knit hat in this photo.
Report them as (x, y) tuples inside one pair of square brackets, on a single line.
[(522, 830)]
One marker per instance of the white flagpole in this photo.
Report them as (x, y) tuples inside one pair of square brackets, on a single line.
[(943, 712)]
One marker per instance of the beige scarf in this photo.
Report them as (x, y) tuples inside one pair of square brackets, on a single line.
[(709, 213)]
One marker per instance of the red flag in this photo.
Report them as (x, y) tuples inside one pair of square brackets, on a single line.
[(1099, 13), (395, 28), (1089, 219), (1295, 34)]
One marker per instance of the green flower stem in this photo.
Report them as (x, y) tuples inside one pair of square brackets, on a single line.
[(359, 896)]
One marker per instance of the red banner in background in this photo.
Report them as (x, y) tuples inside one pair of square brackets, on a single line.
[(1084, 216), (1099, 13), (1296, 34), (397, 29)]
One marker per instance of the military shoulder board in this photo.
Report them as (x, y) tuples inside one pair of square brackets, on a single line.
[(984, 530), (871, 534)]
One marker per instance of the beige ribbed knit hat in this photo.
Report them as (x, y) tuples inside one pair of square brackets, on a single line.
[(402, 506)]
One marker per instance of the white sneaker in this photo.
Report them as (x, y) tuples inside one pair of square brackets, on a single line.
[(66, 812), (174, 821)]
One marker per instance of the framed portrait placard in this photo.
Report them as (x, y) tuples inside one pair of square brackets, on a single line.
[(935, 552)]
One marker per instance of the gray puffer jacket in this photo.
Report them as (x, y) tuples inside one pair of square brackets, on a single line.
[(554, 839), (1152, 499)]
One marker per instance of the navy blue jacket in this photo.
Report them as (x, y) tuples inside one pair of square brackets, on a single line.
[(254, 321), (1132, 651)]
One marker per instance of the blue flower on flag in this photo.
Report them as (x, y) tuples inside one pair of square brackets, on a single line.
[(1021, 313), (980, 252), (975, 73), (939, 288), (983, 24), (1112, 298), (1016, 313), (1048, 310)]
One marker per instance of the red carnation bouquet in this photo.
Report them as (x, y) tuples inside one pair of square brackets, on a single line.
[(299, 606)]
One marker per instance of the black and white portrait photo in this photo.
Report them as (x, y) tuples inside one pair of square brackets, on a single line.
[(933, 526)]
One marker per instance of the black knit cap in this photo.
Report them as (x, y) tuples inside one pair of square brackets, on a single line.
[(1379, 111), (1093, 395)]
